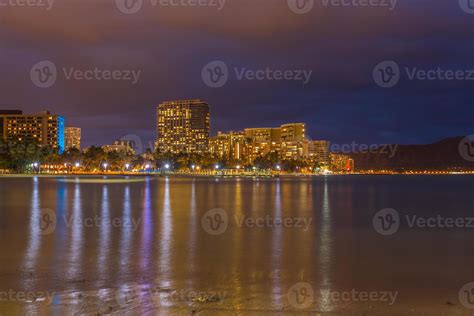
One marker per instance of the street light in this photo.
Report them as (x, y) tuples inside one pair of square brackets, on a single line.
[(105, 165), (77, 165), (167, 166), (147, 167), (238, 167), (216, 167), (36, 167), (127, 166), (278, 167)]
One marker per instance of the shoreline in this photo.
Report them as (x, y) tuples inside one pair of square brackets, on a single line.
[(240, 176)]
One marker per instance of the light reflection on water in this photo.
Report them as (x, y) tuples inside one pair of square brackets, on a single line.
[(126, 233), (104, 240), (170, 251), (325, 249), (147, 231), (76, 245), (34, 242)]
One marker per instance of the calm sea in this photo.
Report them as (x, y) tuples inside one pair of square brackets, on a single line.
[(241, 246)]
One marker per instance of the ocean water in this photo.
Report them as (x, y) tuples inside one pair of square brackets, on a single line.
[(337, 245)]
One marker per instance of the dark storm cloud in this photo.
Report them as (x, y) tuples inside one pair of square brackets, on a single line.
[(170, 46)]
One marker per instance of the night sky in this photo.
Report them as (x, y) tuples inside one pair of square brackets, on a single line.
[(171, 45)]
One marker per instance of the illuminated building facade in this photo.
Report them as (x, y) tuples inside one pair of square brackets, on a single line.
[(229, 146), (294, 149), (73, 138), (262, 141), (342, 163), (318, 151), (120, 146), (288, 141), (293, 132), (183, 126), (45, 129)]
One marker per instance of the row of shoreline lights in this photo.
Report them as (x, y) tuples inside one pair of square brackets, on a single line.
[(194, 167), (105, 165)]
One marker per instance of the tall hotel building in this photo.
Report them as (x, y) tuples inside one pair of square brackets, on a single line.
[(183, 126), (73, 137), (44, 128)]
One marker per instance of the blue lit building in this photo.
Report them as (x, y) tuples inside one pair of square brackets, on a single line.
[(43, 129)]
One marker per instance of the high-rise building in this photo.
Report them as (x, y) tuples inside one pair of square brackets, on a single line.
[(293, 132), (294, 149), (318, 151), (263, 134), (263, 141), (293, 141), (230, 146), (183, 126), (73, 137), (44, 128)]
